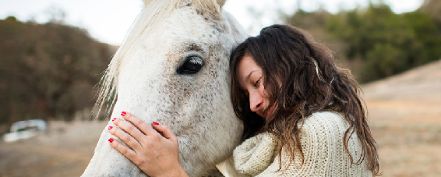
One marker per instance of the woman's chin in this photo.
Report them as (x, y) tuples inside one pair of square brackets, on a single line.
[(269, 114)]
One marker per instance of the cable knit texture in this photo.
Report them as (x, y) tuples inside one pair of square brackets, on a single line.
[(322, 144)]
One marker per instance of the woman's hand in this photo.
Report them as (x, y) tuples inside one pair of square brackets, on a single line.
[(154, 149)]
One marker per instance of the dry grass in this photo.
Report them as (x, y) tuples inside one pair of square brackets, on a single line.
[(405, 117), (404, 113)]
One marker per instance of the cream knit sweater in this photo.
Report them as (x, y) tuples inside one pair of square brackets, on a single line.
[(322, 144)]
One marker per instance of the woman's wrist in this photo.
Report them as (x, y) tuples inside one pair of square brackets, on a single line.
[(177, 172), (182, 173)]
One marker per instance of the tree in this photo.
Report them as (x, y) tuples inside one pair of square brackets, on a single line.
[(48, 70), (374, 41)]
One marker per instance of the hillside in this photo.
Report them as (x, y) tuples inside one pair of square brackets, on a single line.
[(421, 82), (405, 115), (412, 95)]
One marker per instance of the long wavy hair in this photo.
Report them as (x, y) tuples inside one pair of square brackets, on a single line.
[(300, 78)]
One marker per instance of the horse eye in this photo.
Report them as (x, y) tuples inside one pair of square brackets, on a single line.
[(192, 65)]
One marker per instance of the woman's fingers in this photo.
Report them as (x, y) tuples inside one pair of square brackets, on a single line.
[(130, 129), (138, 123), (139, 130), (164, 131), (127, 152), (126, 138)]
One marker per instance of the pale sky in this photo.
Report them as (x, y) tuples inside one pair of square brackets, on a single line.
[(109, 20)]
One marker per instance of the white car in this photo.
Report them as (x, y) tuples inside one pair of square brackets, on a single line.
[(25, 129)]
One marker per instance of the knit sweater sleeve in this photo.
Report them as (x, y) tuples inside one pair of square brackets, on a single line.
[(324, 154)]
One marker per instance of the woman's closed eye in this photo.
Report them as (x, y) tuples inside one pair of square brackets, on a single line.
[(258, 82)]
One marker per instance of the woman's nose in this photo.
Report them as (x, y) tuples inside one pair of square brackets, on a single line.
[(256, 102)]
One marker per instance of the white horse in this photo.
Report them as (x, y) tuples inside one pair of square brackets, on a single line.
[(173, 68)]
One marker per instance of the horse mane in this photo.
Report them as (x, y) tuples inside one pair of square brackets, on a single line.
[(154, 11)]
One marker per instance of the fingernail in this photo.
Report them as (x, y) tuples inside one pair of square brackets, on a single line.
[(123, 113), (113, 119), (110, 127), (110, 140), (155, 123)]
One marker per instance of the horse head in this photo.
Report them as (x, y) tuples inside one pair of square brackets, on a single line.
[(173, 68)]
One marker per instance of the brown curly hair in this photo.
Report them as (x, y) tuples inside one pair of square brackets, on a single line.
[(300, 78)]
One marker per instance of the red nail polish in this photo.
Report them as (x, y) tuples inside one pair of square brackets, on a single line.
[(123, 113), (110, 140), (155, 123), (110, 127), (113, 119)]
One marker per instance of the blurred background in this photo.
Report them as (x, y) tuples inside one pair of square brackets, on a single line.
[(53, 53)]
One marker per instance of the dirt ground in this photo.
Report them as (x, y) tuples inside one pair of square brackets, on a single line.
[(404, 114), (63, 151)]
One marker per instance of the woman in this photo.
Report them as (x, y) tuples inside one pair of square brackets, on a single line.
[(302, 114)]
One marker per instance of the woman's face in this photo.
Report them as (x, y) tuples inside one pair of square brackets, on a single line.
[(251, 80)]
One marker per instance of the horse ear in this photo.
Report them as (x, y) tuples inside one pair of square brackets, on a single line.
[(146, 2), (221, 2)]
